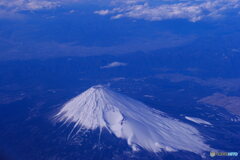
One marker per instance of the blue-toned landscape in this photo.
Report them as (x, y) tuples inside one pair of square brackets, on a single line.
[(178, 61)]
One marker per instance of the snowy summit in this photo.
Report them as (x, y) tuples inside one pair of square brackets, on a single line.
[(129, 119)]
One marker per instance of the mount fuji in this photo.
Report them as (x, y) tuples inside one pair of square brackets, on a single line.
[(141, 126)]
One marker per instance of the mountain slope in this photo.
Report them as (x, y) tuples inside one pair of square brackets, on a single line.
[(126, 118)]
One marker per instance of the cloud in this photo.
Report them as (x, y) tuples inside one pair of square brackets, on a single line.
[(16, 6), (102, 12), (10, 9), (197, 120), (114, 64), (19, 5), (193, 10)]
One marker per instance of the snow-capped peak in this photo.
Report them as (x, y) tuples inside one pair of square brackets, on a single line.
[(126, 118)]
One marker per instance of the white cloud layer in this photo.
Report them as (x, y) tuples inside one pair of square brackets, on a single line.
[(114, 64), (193, 10), (18, 5), (197, 120)]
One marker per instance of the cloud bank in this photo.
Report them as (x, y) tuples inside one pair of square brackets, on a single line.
[(20, 5), (193, 10), (114, 64)]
